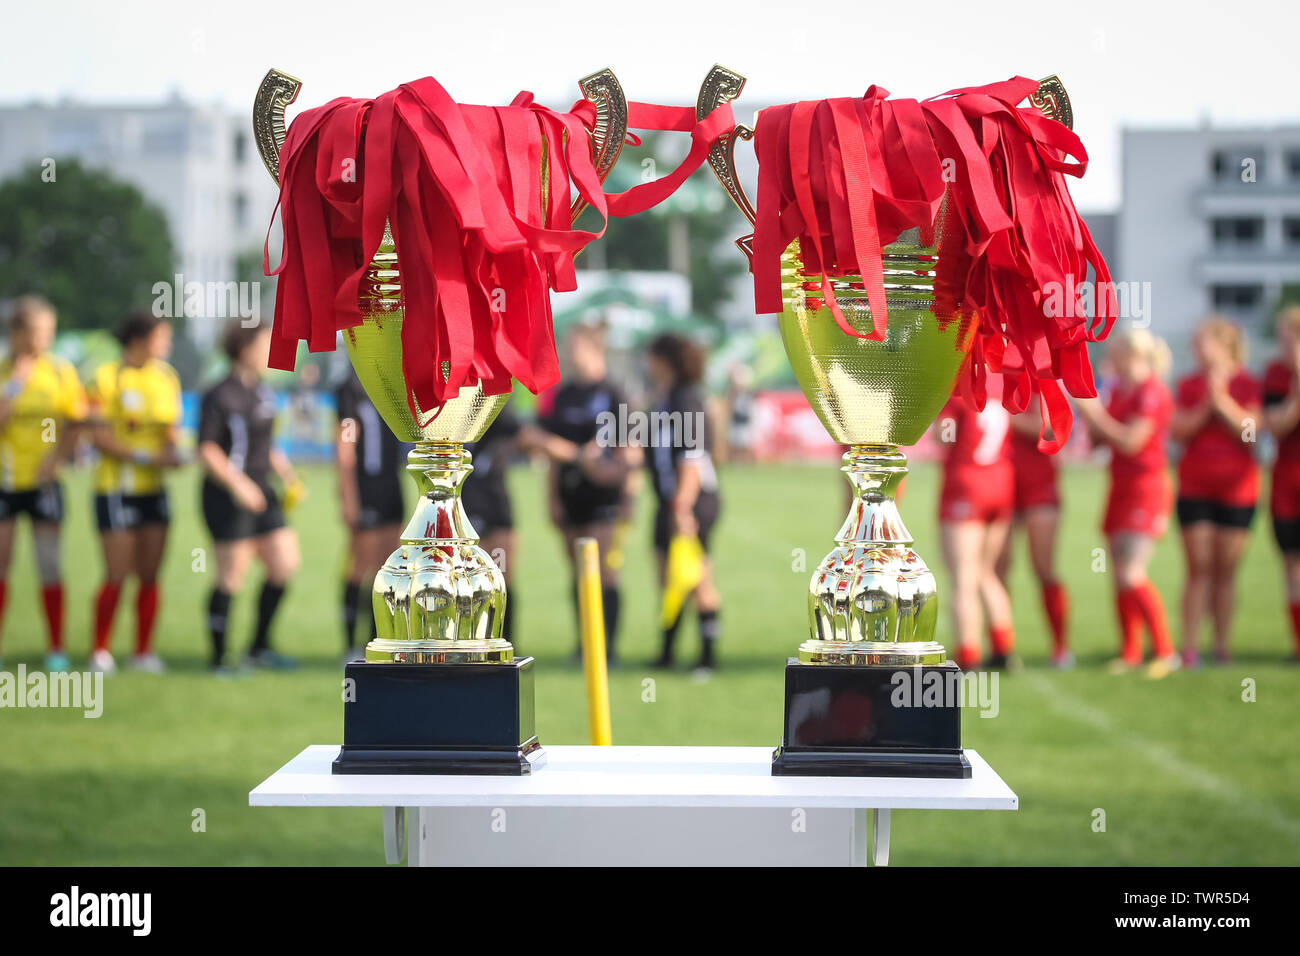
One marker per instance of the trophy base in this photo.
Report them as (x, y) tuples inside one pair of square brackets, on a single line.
[(440, 719), (850, 720), (873, 653), (388, 651)]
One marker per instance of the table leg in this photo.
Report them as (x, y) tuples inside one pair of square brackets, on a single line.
[(861, 836), (880, 838), (394, 834)]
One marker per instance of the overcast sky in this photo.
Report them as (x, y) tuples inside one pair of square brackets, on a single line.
[(1124, 62)]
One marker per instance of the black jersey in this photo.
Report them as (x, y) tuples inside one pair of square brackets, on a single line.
[(241, 421), (577, 415), (484, 493), (380, 456), (680, 431)]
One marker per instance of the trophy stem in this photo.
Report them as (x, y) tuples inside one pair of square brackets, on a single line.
[(872, 599), (439, 598)]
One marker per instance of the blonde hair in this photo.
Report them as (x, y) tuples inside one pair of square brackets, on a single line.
[(1150, 347), (24, 309), (1228, 334), (1289, 318)]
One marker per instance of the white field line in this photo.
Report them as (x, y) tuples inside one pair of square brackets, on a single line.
[(1240, 800)]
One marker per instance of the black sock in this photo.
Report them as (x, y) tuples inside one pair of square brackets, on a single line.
[(351, 600), (709, 630), (609, 597), (669, 637), (218, 617), (267, 602)]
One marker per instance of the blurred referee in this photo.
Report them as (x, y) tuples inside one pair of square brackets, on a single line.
[(370, 460), (241, 508)]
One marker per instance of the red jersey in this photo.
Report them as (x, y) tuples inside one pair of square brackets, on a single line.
[(1217, 463), (978, 478), (1279, 385), (1150, 400)]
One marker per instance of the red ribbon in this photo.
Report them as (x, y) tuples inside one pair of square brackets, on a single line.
[(847, 176), (459, 187)]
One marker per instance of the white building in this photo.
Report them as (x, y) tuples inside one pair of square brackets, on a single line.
[(1211, 218), (198, 164)]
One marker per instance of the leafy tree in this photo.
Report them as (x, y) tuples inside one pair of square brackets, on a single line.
[(91, 244)]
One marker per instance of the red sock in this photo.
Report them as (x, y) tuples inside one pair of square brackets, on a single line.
[(146, 609), (1294, 606), (52, 598), (105, 608), (1056, 602), (1002, 639), (1130, 624), (968, 657), (1153, 613)]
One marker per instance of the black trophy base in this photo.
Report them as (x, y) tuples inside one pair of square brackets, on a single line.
[(844, 720), (440, 719)]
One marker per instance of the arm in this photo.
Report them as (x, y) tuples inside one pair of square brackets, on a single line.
[(281, 465), (1125, 437), (688, 492), (216, 464), (1283, 417), (345, 457), (1186, 422)]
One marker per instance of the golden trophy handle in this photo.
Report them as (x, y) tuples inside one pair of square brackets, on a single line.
[(1052, 101), (610, 131), (722, 86), (275, 94)]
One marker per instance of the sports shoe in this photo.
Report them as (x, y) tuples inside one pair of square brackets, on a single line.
[(268, 659), (56, 662), (150, 663), (101, 661), (1122, 665), (1162, 667), (1063, 660)]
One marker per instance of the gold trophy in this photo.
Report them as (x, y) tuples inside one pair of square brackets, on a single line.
[(872, 603), (440, 690)]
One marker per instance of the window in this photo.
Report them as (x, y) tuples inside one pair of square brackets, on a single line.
[(1244, 163), (241, 148), (1293, 163), (1234, 297), (1237, 230), (1291, 230), (241, 211)]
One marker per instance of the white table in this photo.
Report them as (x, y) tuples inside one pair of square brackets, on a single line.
[(641, 806)]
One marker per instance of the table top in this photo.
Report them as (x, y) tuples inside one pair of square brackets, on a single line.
[(630, 777)]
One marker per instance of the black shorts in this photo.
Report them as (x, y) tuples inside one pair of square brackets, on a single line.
[(39, 504), (707, 508), (1287, 533), (118, 512), (227, 521), (1194, 510), (488, 512), (585, 506), (380, 505)]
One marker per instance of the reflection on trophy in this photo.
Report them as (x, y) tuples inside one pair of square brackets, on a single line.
[(440, 690), (872, 603)]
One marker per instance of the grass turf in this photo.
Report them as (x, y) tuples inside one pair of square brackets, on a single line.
[(1185, 771)]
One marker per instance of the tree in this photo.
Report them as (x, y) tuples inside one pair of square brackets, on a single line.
[(91, 244)]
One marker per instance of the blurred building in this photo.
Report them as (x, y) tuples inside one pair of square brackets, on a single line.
[(198, 164), (1211, 218)]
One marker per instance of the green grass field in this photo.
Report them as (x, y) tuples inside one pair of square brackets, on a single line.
[(1185, 770)]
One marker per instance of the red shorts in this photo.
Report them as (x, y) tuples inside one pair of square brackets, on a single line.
[(1284, 500), (1139, 504), (1036, 490), (982, 498)]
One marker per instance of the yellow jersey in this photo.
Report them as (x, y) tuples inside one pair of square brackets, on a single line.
[(50, 397), (141, 405)]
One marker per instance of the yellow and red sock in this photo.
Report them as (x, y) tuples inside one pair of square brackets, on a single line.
[(105, 608), (1056, 603), (146, 611), (1130, 624), (1152, 607), (52, 599)]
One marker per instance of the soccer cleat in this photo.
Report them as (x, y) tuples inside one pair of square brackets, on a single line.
[(101, 662), (702, 675), (56, 662), (268, 659), (1011, 663), (1063, 660), (1122, 665), (1162, 667), (149, 663)]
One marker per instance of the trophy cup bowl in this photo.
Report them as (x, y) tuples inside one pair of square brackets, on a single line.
[(872, 602), (440, 690)]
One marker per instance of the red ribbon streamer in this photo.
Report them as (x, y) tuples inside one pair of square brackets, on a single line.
[(459, 187), (847, 176)]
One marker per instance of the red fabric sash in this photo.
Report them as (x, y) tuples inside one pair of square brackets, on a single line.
[(847, 176), (459, 186)]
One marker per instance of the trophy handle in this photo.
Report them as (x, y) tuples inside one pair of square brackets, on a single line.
[(722, 86), (1052, 101), (277, 91), (610, 131)]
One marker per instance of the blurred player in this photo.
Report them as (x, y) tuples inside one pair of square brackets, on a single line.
[(1134, 423), (1216, 416), (1038, 511), (41, 406), (135, 406), (684, 480), (241, 508), (975, 508), (587, 496), (1282, 415), (370, 463)]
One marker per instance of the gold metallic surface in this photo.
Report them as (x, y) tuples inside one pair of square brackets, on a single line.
[(274, 95), (1052, 101), (610, 131)]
